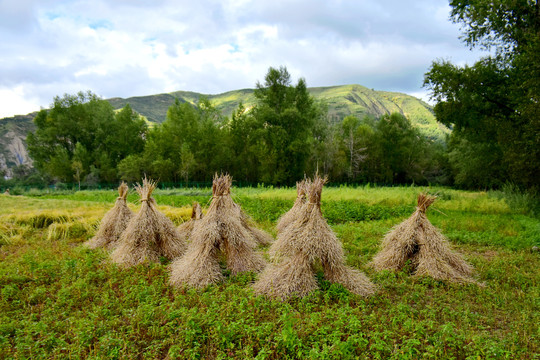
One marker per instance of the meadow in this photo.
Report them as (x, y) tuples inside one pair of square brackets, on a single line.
[(60, 300)]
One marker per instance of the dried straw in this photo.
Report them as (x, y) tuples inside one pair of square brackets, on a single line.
[(220, 231), (186, 228), (149, 235), (429, 252), (308, 240), (290, 216), (261, 237), (293, 277), (280, 245), (113, 223)]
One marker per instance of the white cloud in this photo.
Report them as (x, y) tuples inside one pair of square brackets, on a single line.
[(16, 101), (129, 48)]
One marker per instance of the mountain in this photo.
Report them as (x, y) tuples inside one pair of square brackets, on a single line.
[(342, 101)]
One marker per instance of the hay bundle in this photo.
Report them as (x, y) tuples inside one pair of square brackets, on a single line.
[(288, 218), (113, 223), (291, 215), (418, 241), (261, 237), (220, 232), (149, 235), (300, 246), (186, 228), (293, 276)]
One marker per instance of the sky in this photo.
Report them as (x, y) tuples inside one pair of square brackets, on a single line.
[(124, 48)]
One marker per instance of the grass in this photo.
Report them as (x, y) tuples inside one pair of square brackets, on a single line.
[(61, 300)]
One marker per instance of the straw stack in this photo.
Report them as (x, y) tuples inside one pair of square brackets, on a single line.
[(421, 244), (113, 223), (221, 232), (305, 242), (186, 228), (149, 235)]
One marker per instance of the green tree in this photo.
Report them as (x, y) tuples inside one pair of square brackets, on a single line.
[(82, 130), (401, 150), (187, 144), (133, 168), (127, 134), (243, 137), (188, 163), (494, 105), (357, 138), (286, 116), (77, 168)]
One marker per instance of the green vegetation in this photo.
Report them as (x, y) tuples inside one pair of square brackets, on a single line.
[(493, 105), (283, 136), (82, 138), (60, 300)]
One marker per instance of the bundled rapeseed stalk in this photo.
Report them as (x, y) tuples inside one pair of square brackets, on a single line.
[(113, 223), (149, 235), (291, 215), (418, 241), (220, 231), (186, 228), (261, 237), (304, 242)]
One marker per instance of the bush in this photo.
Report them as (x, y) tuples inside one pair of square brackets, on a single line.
[(525, 202)]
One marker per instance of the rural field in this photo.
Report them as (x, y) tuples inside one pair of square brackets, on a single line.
[(60, 300)]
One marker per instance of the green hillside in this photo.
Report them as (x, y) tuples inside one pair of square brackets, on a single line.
[(341, 100)]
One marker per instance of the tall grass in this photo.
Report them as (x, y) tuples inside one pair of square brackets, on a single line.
[(525, 202)]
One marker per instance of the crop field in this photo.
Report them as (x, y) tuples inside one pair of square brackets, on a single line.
[(60, 300)]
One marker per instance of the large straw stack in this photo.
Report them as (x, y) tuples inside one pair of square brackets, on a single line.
[(416, 240), (113, 223), (149, 235), (186, 228), (300, 246), (220, 231)]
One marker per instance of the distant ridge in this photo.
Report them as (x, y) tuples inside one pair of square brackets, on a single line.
[(342, 101)]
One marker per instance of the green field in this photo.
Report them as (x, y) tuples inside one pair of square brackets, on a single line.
[(60, 300)]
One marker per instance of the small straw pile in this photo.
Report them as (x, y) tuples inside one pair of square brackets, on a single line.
[(113, 223), (220, 232), (428, 250), (261, 237), (291, 215), (186, 228), (149, 235), (300, 246)]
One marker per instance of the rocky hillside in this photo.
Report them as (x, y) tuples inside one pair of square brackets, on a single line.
[(13, 141)]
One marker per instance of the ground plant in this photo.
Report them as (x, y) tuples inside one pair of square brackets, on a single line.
[(61, 300)]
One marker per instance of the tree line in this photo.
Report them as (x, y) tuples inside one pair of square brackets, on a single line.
[(284, 136)]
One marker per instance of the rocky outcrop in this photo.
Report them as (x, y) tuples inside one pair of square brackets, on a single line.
[(13, 150)]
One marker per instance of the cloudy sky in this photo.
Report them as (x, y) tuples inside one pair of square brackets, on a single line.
[(123, 48)]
